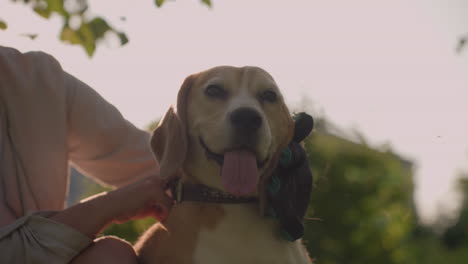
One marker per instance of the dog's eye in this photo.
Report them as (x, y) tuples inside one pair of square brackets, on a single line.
[(269, 96), (215, 91)]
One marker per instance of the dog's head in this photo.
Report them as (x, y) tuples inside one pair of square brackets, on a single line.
[(230, 126)]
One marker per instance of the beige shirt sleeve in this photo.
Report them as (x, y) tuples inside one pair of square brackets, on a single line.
[(102, 143), (35, 239)]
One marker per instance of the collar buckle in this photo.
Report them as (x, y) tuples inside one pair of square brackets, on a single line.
[(179, 191)]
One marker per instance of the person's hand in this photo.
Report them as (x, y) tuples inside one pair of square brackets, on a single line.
[(141, 199)]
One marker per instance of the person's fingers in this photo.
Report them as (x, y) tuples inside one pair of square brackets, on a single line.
[(160, 213), (164, 205), (149, 199), (161, 202)]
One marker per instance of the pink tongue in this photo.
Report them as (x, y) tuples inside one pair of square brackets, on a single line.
[(239, 174)]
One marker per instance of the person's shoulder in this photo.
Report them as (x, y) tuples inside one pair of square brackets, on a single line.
[(8, 50), (42, 58), (9, 53)]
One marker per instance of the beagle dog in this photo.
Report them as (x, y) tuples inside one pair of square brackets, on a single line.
[(224, 142)]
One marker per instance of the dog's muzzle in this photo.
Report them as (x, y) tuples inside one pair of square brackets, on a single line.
[(246, 123)]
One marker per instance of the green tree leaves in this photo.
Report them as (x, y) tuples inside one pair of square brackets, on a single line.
[(461, 44), (457, 235), (159, 3), (3, 25), (123, 38), (82, 36), (89, 31), (207, 2), (42, 10), (56, 6)]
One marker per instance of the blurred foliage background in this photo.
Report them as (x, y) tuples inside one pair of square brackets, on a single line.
[(362, 207)]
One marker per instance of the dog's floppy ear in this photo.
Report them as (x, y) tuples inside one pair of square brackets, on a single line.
[(285, 135), (182, 97), (170, 139), (169, 144)]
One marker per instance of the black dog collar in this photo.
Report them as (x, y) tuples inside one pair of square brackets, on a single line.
[(201, 193)]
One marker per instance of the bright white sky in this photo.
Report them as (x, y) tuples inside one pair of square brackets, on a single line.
[(386, 68)]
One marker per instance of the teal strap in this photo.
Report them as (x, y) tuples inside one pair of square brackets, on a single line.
[(285, 157), (286, 236), (275, 185)]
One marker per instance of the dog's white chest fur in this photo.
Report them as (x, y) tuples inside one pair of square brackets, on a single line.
[(245, 237)]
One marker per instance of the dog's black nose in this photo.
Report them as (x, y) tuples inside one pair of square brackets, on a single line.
[(246, 120)]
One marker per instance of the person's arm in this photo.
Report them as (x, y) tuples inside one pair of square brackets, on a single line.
[(102, 143), (140, 199), (6, 217), (110, 149), (58, 237)]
